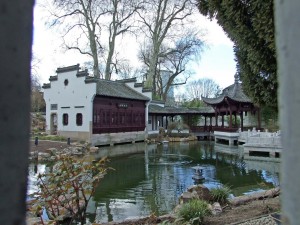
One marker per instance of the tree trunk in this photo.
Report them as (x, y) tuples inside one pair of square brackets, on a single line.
[(94, 50), (151, 76), (111, 50)]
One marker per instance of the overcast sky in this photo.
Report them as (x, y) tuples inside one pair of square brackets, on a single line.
[(217, 61)]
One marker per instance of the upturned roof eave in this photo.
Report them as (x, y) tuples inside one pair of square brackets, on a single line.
[(213, 101), (225, 99)]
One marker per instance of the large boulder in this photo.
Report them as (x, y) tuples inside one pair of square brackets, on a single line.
[(201, 192), (195, 192)]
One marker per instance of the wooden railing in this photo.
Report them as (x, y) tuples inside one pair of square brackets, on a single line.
[(226, 129), (212, 128), (106, 130), (201, 128)]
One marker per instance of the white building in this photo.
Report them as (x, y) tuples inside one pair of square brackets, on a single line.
[(101, 112)]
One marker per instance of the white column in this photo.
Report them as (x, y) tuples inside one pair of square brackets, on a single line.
[(16, 18), (287, 20), (146, 116)]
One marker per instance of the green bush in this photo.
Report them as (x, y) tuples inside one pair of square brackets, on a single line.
[(52, 138), (66, 190), (194, 211), (220, 194)]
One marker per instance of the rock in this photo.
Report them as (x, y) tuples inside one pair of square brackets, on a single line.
[(43, 156), (195, 192), (51, 151), (216, 208), (33, 155), (184, 139), (77, 154), (202, 192), (94, 149), (185, 197)]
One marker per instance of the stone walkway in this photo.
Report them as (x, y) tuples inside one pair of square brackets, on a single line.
[(263, 220)]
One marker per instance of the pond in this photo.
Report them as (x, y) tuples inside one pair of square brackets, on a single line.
[(149, 178)]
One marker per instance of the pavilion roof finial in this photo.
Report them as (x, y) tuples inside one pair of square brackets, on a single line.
[(236, 78)]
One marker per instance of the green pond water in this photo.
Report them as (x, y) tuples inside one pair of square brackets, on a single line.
[(149, 178)]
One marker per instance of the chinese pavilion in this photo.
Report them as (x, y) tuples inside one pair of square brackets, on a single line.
[(232, 102)]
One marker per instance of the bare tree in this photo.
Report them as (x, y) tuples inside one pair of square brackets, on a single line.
[(121, 22), (37, 101), (79, 21), (84, 23), (35, 61), (173, 60), (204, 87), (162, 22), (126, 70), (176, 60)]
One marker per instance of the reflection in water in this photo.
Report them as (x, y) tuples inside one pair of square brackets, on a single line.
[(150, 178), (33, 171), (152, 182)]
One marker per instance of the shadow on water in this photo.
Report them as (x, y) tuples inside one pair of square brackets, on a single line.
[(149, 178)]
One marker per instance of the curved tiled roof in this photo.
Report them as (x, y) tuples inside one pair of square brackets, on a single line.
[(108, 88), (156, 109), (117, 89), (234, 92)]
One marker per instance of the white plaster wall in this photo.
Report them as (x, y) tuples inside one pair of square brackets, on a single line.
[(131, 85), (139, 89), (76, 94), (147, 94), (114, 138)]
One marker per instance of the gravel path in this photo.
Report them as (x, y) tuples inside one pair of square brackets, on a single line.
[(264, 220), (44, 145)]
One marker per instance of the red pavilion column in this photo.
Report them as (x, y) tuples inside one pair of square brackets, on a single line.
[(230, 118), (223, 120), (242, 120), (258, 119)]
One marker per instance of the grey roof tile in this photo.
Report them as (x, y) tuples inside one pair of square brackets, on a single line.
[(234, 92), (118, 89), (156, 109)]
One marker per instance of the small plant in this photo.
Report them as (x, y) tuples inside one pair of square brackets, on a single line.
[(171, 126), (194, 211), (68, 187), (52, 138), (220, 194), (165, 222), (177, 125)]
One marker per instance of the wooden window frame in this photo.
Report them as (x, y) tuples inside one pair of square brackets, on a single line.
[(65, 119), (79, 119)]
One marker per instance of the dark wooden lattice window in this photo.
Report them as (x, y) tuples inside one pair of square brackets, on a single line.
[(122, 118), (103, 118), (65, 119), (113, 119), (107, 117), (79, 119), (95, 117)]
